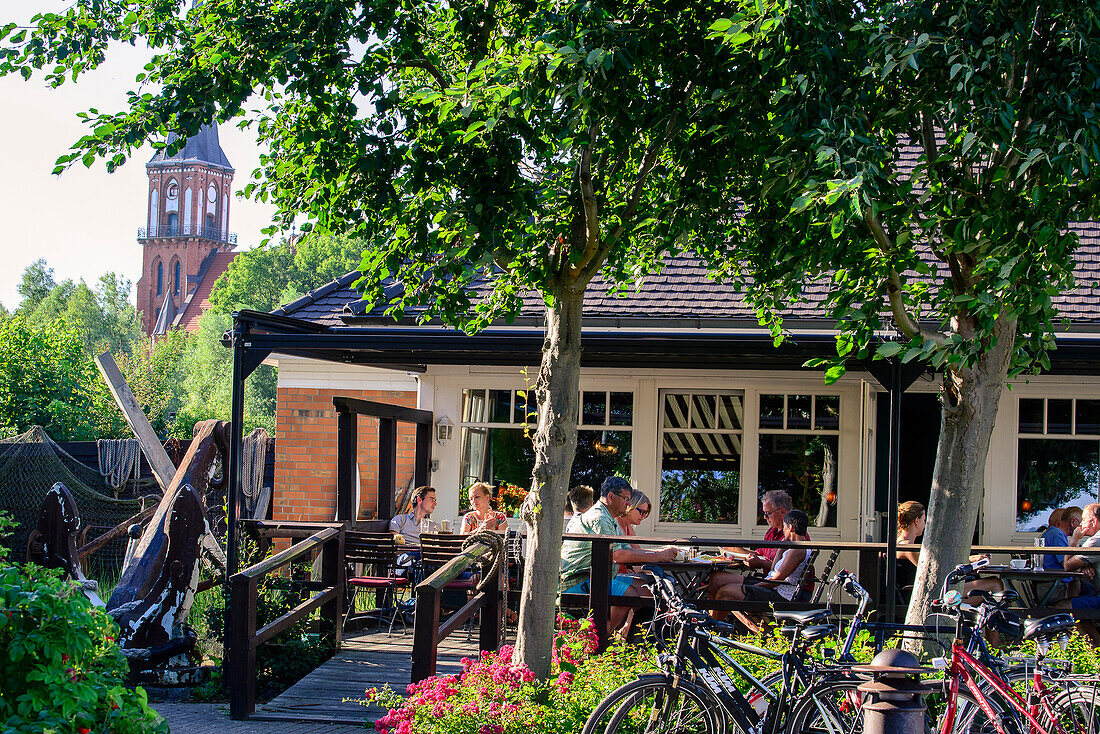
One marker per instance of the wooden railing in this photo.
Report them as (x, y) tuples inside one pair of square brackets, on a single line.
[(328, 596), (868, 571), (428, 632)]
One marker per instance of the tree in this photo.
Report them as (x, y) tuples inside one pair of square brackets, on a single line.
[(36, 284), (928, 161), (46, 379), (515, 145), (103, 316)]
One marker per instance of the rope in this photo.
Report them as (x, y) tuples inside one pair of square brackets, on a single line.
[(495, 541), (254, 456), (119, 461)]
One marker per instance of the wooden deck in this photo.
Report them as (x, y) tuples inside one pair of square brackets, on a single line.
[(365, 660)]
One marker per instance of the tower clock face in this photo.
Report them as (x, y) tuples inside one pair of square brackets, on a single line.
[(173, 191), (212, 193)]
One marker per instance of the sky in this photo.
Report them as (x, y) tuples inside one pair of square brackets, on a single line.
[(84, 222)]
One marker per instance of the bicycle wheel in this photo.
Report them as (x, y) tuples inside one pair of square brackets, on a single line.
[(1076, 711), (833, 707), (652, 705), (971, 718)]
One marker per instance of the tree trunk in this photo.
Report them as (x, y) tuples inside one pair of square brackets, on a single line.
[(970, 398), (558, 394)]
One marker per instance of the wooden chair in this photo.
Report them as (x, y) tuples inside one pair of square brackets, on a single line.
[(377, 552), (435, 550)]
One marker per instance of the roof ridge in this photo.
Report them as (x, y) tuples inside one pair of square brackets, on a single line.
[(318, 293)]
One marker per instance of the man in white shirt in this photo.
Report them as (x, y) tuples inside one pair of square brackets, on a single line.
[(409, 524)]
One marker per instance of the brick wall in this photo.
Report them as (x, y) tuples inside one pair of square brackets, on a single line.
[(305, 452)]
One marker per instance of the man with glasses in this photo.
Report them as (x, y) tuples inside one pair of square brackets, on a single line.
[(774, 506), (601, 519)]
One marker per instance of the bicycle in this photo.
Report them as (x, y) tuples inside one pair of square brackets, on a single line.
[(990, 703), (693, 693)]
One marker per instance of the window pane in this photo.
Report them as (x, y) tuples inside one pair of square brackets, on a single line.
[(1031, 415), (731, 409), (700, 477), (1058, 415), (1088, 416), (1054, 473), (594, 408), (601, 454), (702, 411), (504, 454), (473, 406), (521, 409), (827, 412), (622, 409), (771, 411), (676, 411), (500, 407), (805, 467), (798, 411)]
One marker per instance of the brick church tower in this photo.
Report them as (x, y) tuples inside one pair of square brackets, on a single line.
[(186, 243)]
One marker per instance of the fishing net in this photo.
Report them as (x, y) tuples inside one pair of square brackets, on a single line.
[(30, 464)]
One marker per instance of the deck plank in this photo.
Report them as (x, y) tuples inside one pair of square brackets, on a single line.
[(366, 660)]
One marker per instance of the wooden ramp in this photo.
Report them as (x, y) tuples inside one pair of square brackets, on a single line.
[(366, 660)]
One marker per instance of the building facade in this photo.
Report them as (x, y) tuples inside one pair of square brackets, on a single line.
[(704, 438)]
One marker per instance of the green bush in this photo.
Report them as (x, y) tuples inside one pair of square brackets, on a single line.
[(62, 671)]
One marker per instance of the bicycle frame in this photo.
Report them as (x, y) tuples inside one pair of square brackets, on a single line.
[(960, 671)]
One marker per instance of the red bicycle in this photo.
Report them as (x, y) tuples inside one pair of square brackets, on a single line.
[(979, 701)]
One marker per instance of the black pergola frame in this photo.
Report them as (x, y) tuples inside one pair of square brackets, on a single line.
[(256, 335)]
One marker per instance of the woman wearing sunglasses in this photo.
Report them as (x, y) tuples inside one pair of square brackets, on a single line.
[(637, 510)]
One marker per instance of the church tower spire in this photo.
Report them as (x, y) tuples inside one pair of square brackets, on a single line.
[(186, 229)]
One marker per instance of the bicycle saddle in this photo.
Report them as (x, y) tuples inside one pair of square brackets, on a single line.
[(1047, 627), (804, 619)]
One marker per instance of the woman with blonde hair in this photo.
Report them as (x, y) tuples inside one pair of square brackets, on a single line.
[(637, 510), (482, 516)]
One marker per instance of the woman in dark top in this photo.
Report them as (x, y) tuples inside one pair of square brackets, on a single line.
[(911, 519)]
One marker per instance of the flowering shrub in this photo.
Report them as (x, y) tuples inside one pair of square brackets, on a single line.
[(510, 497), (62, 671), (494, 695)]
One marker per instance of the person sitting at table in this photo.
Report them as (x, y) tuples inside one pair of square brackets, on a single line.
[(579, 500), (1063, 522), (600, 519), (774, 506), (482, 516), (912, 519), (1089, 565), (784, 578), (637, 510), (911, 522), (409, 524)]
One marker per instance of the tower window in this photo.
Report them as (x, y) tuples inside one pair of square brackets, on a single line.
[(176, 280), (160, 278), (173, 224)]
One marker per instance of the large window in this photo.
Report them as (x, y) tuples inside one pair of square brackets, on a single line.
[(1058, 457), (799, 449), (498, 428), (700, 456)]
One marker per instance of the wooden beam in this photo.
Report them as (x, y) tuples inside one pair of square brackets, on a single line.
[(163, 468)]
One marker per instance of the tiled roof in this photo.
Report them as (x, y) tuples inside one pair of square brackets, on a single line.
[(203, 147), (682, 293), (198, 303)]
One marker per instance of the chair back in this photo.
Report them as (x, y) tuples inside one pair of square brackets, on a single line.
[(824, 577), (377, 549), (438, 548)]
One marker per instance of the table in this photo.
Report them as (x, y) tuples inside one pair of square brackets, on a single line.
[(690, 576), (1026, 581)]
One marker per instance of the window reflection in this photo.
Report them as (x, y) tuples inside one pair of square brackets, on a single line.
[(1054, 473), (805, 467)]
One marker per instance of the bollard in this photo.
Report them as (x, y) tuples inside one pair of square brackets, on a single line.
[(892, 698)]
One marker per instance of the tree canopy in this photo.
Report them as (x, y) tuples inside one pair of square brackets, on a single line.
[(926, 163)]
